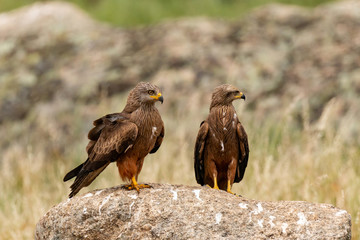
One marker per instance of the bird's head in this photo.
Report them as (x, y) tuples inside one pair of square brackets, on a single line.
[(145, 93), (225, 94)]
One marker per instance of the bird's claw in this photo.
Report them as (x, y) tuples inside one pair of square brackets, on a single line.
[(231, 192), (137, 186), (144, 186), (215, 187)]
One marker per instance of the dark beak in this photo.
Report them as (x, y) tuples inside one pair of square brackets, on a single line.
[(161, 99), (243, 97)]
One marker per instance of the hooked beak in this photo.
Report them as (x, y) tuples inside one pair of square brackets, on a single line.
[(158, 97), (161, 99), (241, 95)]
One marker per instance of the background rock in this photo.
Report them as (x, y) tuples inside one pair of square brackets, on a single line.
[(294, 54), (182, 212), (279, 54)]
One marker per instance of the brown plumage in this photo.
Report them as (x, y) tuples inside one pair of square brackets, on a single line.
[(221, 149), (125, 137)]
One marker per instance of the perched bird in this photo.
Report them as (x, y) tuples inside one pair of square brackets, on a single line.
[(221, 149), (125, 138)]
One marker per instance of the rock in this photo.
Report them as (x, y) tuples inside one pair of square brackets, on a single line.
[(186, 212)]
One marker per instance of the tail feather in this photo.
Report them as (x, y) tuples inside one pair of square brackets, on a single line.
[(77, 185), (83, 179), (73, 173)]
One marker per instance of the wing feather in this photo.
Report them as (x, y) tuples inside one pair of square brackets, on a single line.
[(199, 152), (114, 139), (111, 136), (116, 136), (159, 140), (243, 153)]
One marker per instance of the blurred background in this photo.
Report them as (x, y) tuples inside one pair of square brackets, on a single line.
[(127, 13), (64, 64)]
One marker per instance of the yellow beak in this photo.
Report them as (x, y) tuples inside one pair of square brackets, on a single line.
[(241, 95), (158, 97)]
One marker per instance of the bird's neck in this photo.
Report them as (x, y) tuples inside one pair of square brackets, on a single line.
[(146, 117), (222, 107), (132, 107), (223, 116), (216, 103)]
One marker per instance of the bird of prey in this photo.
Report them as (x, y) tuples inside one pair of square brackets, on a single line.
[(125, 138), (221, 149)]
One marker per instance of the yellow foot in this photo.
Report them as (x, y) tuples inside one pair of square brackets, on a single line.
[(229, 191), (229, 188), (135, 185), (128, 187), (215, 183), (215, 187), (144, 186)]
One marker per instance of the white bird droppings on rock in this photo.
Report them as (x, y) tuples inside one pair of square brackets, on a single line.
[(174, 194), (98, 192), (283, 227), (88, 195), (133, 196), (218, 217), (66, 202), (243, 205), (271, 221), (302, 219), (103, 203), (259, 210), (256, 211), (339, 213), (197, 194), (131, 206)]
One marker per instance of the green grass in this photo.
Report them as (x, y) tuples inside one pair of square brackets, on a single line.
[(143, 12)]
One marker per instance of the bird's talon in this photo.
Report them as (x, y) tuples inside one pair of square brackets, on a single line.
[(128, 187), (144, 186), (137, 186)]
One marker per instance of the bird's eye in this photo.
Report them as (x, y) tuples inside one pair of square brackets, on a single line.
[(151, 92)]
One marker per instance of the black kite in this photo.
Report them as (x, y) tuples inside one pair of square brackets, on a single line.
[(125, 137), (221, 149)]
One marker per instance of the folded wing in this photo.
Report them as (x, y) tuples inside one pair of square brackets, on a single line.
[(243, 153), (159, 140), (111, 136), (199, 152)]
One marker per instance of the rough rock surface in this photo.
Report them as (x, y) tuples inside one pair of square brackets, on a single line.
[(183, 212)]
